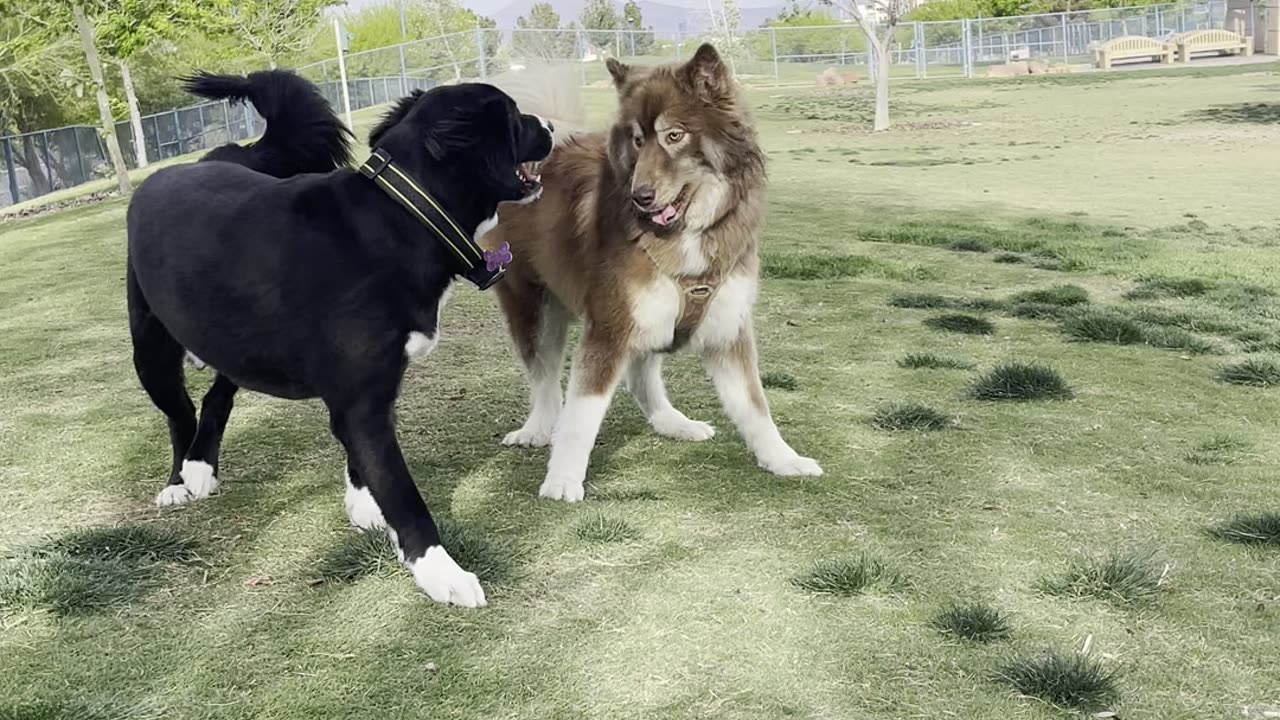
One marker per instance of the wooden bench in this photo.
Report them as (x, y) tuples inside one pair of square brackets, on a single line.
[(1130, 47), (1221, 42)]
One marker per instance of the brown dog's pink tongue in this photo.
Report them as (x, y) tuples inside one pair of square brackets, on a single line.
[(666, 216)]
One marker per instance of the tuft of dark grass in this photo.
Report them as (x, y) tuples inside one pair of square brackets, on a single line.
[(599, 527), (1254, 529), (1165, 287), (916, 361), (910, 416), (1064, 295), (975, 621), (1252, 372), (360, 555), (1102, 326), (817, 267), (1008, 258), (1071, 681), (1173, 338), (961, 323), (1195, 320), (1042, 311), (1120, 577), (476, 550), (1220, 450), (780, 381), (1261, 345), (981, 304), (126, 543), (1021, 382), (847, 576), (69, 586), (968, 245), (624, 495), (371, 554), (918, 301)]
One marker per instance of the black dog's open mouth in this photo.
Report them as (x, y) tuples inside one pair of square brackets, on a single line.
[(529, 178)]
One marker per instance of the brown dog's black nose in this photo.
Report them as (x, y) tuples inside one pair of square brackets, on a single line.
[(551, 127), (643, 196)]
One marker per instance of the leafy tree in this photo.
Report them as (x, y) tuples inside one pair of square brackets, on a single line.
[(600, 15), (128, 28), (540, 35), (273, 29), (639, 38)]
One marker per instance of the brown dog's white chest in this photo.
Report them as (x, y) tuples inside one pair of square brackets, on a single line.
[(658, 306)]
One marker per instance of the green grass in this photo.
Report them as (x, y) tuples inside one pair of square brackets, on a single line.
[(1064, 295), (979, 622), (1253, 372), (918, 361), (846, 577), (1021, 382), (1102, 326), (1250, 529), (1120, 577), (1219, 450), (917, 301), (261, 603), (780, 380), (1169, 287), (1071, 681), (911, 416), (961, 323), (600, 527)]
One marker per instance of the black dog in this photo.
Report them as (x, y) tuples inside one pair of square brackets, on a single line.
[(303, 134), (325, 286)]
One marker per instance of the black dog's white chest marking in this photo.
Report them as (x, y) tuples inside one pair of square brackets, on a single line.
[(419, 344)]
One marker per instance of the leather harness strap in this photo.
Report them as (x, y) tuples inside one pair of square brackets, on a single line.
[(696, 292), (695, 295)]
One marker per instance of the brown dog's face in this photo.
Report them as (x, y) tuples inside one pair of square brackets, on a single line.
[(673, 142)]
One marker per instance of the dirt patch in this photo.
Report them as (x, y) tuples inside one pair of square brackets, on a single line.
[(53, 207)]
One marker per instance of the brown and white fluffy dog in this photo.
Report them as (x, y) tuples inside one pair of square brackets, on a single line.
[(648, 233)]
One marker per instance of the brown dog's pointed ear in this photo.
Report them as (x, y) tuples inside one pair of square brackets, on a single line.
[(706, 72), (619, 71)]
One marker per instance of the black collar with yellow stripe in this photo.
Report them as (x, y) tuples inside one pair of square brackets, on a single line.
[(481, 268)]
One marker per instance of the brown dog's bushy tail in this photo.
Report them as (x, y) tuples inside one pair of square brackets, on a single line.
[(549, 91)]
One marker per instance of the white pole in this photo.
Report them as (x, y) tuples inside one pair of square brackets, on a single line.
[(342, 70)]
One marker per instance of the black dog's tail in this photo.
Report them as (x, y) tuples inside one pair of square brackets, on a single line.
[(303, 133)]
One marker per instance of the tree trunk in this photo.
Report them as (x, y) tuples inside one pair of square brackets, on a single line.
[(881, 50), (135, 117), (104, 105), (30, 160)]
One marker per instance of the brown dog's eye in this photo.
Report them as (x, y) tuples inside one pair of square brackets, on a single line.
[(674, 136), (638, 140)]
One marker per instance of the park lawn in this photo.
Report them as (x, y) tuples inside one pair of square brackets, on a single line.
[(680, 587)]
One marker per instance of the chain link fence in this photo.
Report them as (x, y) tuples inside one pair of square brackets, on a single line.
[(37, 163)]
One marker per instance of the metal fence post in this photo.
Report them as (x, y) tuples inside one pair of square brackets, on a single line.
[(404, 72), (484, 70), (48, 163), (1065, 51), (773, 37), (248, 121), (922, 69), (966, 47), (11, 170)]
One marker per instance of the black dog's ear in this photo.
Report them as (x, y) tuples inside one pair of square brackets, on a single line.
[(394, 116)]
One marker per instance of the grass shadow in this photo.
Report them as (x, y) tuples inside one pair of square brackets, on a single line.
[(1250, 113)]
